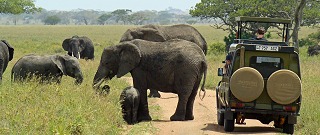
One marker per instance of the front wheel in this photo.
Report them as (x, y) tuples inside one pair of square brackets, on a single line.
[(228, 125), (220, 117)]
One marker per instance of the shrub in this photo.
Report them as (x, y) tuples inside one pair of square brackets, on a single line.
[(310, 40), (216, 48)]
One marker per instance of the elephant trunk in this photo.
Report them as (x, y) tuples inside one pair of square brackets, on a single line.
[(101, 75), (79, 78), (75, 52)]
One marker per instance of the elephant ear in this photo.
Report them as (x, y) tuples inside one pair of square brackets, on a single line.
[(151, 34), (10, 48), (60, 62), (130, 57), (65, 44)]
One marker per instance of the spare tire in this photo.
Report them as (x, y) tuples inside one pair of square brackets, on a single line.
[(246, 84), (284, 86)]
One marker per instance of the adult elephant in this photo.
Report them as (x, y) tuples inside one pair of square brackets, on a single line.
[(6, 55), (159, 33), (173, 66), (79, 47), (49, 68), (313, 50)]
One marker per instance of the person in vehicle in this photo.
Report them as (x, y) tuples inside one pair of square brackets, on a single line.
[(227, 63), (260, 34)]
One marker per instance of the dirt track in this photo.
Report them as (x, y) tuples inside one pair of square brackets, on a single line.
[(205, 121)]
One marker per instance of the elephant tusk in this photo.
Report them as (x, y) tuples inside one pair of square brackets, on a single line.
[(96, 86), (78, 55)]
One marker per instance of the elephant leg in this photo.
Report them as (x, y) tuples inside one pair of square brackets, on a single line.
[(180, 113), (190, 103), (143, 110), (134, 116), (139, 82), (154, 93)]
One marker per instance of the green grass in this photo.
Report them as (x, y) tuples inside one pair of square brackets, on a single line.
[(30, 108)]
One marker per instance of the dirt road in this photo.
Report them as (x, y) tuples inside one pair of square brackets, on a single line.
[(205, 121)]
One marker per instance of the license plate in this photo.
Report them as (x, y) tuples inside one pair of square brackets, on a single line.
[(267, 48)]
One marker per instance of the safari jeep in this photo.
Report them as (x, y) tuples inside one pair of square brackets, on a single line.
[(262, 82)]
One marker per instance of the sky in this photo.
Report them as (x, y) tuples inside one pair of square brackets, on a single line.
[(111, 5)]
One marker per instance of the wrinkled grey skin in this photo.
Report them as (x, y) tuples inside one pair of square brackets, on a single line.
[(48, 68), (79, 47), (173, 66), (159, 33), (313, 50), (129, 100), (6, 55)]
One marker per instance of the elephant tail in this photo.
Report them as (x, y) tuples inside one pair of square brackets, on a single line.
[(204, 67)]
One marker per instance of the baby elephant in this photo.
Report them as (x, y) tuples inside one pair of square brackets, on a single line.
[(48, 68), (129, 100)]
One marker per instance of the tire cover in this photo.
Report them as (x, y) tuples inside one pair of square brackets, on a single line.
[(246, 84), (284, 86)]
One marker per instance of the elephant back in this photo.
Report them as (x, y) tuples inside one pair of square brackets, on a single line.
[(10, 49), (186, 32)]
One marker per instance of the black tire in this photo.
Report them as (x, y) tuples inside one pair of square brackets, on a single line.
[(288, 128), (220, 118), (228, 125)]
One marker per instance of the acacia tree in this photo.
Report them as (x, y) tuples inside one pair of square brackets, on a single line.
[(103, 18), (121, 15), (226, 11), (18, 6)]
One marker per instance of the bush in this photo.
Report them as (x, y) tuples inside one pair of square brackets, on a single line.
[(310, 40), (216, 48)]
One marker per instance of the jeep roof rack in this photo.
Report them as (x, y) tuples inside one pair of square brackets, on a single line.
[(262, 20), (244, 19)]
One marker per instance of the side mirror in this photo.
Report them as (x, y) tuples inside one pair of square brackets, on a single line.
[(220, 71)]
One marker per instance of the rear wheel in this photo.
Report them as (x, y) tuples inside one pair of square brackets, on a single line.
[(288, 128), (228, 125)]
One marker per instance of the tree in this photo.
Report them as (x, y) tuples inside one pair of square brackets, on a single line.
[(121, 15), (226, 11), (103, 18), (52, 20), (139, 17), (18, 6)]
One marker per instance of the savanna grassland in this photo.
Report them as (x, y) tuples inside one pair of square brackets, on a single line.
[(31, 108)]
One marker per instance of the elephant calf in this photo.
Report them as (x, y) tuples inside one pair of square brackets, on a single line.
[(46, 68), (129, 100)]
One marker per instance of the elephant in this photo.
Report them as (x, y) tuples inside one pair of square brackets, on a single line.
[(129, 100), (48, 68), (79, 47), (6, 55), (175, 66), (313, 50), (159, 33)]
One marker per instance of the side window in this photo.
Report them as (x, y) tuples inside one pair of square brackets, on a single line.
[(266, 65)]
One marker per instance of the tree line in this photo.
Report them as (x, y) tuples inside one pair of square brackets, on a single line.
[(94, 17)]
